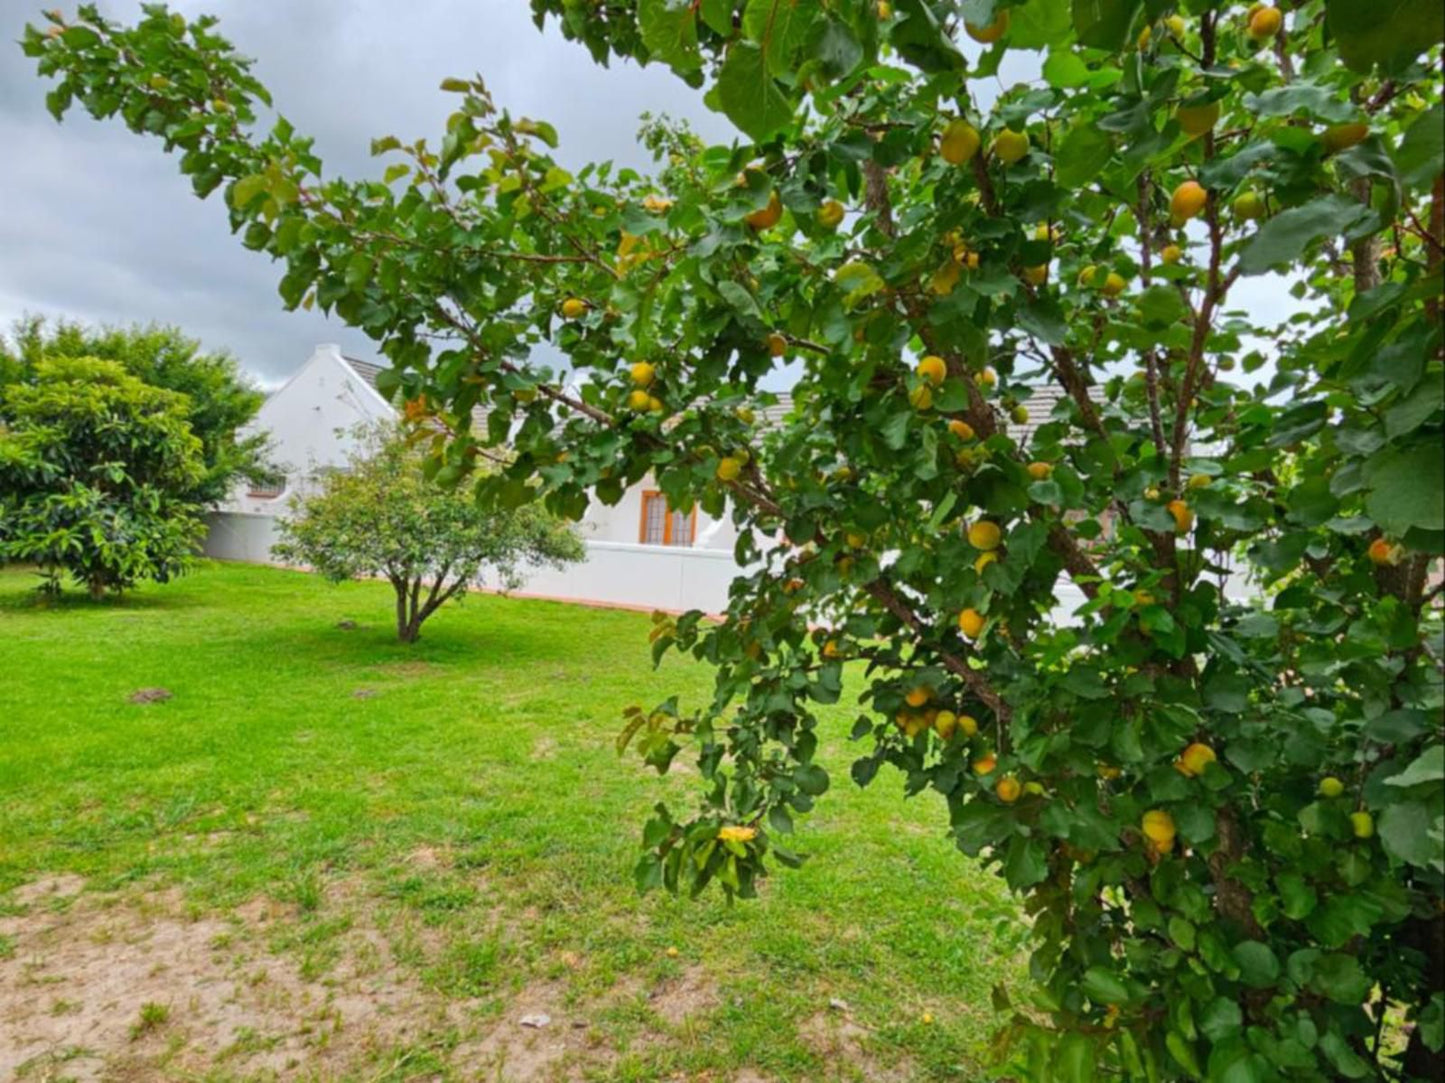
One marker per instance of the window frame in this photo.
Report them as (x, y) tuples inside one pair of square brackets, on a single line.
[(667, 518)]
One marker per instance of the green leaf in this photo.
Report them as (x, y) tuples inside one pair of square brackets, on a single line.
[(1064, 69), (858, 280), (1026, 864), (1284, 238), (836, 48), (1076, 1059), (1341, 978), (1082, 154), (1180, 1049), (1232, 1061), (749, 95), (669, 30), (1411, 831), (1104, 24), (1043, 318), (740, 299), (1408, 489), (1390, 33), (1395, 727), (1182, 932), (1421, 156), (1220, 1019), (1348, 1063), (1298, 897), (1258, 964), (1161, 306), (811, 779), (1412, 411), (1040, 24), (247, 189), (1429, 766), (778, 27), (1103, 986), (921, 39)]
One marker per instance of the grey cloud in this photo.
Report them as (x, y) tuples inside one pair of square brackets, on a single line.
[(96, 223)]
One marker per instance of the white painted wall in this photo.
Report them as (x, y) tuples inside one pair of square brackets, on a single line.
[(312, 420), (614, 573), (238, 535), (644, 576)]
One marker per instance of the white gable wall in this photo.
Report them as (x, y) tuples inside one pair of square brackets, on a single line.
[(312, 420)]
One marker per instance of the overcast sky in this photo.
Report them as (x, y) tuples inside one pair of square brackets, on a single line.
[(98, 224)]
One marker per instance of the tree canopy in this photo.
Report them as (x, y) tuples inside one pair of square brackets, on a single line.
[(96, 473), (220, 399), (1223, 815)]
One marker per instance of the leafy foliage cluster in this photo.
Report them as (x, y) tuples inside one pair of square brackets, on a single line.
[(1224, 818), (384, 517), (96, 469), (221, 401)]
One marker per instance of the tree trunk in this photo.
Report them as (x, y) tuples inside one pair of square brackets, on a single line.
[(406, 627), (96, 586)]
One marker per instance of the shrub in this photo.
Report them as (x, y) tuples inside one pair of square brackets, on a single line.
[(95, 473), (220, 401)]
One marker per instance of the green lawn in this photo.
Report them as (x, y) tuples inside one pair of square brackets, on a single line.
[(417, 845)]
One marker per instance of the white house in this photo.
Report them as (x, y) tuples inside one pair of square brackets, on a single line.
[(638, 553)]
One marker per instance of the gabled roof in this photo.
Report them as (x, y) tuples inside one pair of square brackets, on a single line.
[(1040, 405)]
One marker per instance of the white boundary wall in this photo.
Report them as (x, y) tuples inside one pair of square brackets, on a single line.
[(240, 535), (614, 573)]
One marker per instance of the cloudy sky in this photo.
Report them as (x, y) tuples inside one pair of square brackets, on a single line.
[(98, 224)]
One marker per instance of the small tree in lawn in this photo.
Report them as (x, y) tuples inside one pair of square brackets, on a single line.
[(386, 517), (96, 470)]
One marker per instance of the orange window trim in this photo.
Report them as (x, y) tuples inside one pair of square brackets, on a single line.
[(648, 496)]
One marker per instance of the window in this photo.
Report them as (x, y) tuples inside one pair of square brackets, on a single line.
[(663, 526), (267, 490)]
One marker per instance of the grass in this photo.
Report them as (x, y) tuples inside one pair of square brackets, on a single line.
[(469, 805)]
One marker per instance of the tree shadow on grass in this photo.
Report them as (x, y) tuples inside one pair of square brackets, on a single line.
[(487, 630), (20, 593)]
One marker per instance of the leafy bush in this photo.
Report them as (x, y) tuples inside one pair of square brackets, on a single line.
[(220, 400), (384, 517), (1224, 818), (96, 471)]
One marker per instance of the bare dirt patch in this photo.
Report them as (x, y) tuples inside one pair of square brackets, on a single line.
[(150, 695), (48, 890), (130, 989), (691, 993), (139, 987), (564, 1048), (847, 1045)]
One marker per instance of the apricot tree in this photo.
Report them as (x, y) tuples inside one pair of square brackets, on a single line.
[(1223, 813)]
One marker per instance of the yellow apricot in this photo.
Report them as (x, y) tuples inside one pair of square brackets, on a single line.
[(1188, 200), (987, 35), (984, 535), (970, 623), (932, 370), (960, 142)]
